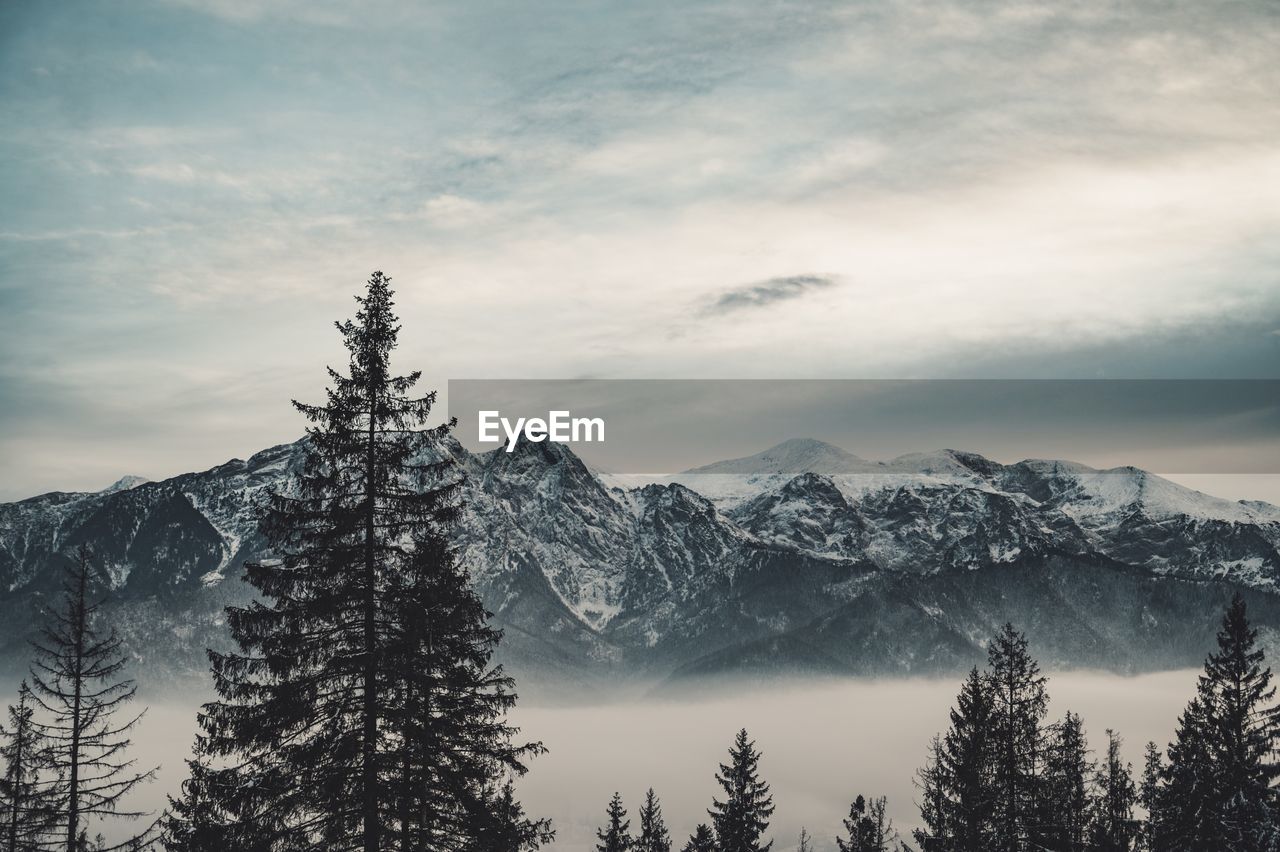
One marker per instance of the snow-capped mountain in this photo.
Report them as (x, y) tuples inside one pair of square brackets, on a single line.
[(802, 558), (125, 483)]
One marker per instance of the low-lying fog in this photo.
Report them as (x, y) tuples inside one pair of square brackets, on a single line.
[(823, 743)]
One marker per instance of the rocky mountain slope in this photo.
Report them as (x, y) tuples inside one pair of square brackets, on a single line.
[(801, 559)]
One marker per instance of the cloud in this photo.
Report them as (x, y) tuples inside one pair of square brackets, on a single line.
[(1017, 187), (254, 11), (770, 291)]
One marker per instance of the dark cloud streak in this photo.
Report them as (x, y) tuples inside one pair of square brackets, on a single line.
[(772, 290)]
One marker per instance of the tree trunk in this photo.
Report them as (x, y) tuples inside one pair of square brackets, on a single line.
[(370, 755), (73, 788), (16, 797)]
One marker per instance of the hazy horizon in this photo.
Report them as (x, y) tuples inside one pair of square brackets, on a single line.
[(1230, 486), (823, 742)]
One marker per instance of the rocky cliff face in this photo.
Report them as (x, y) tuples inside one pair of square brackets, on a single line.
[(802, 559)]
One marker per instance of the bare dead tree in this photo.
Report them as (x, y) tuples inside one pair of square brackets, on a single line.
[(77, 680)]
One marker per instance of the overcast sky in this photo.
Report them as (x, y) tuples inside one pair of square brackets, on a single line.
[(193, 190)]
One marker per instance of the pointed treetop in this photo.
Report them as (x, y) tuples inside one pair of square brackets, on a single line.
[(741, 819), (614, 835)]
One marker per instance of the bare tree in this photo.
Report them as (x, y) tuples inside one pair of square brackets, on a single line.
[(77, 680)]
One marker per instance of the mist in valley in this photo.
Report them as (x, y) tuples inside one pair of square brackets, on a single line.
[(824, 742)]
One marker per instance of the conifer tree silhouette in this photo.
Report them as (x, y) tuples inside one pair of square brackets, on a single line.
[(867, 828), (362, 710), (506, 828), (77, 680), (614, 835), (703, 839), (654, 836), (1217, 789), (26, 788), (1068, 772), (1113, 828), (1149, 797), (742, 818), (958, 786), (1019, 703)]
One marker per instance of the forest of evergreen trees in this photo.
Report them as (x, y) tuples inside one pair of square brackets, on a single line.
[(362, 709), (1003, 778)]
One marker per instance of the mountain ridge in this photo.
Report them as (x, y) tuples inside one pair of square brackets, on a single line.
[(595, 575)]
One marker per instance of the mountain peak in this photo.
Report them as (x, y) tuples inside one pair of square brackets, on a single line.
[(945, 462), (125, 483), (545, 452), (806, 445), (798, 455)]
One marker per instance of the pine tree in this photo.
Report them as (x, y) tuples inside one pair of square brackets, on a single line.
[(868, 827), (1113, 828), (1019, 705), (958, 805), (507, 829), (1185, 798), (1068, 771), (614, 835), (361, 711), (654, 836), (1218, 786), (742, 818), (193, 820), (77, 680), (1149, 797), (931, 780), (28, 809), (703, 839), (1245, 729), (450, 710), (805, 841)]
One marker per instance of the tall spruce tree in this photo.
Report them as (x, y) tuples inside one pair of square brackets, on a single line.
[(1149, 797), (958, 801), (654, 836), (77, 679), (1245, 727), (1068, 770), (703, 839), (1019, 704), (361, 711), (741, 820), (931, 781), (449, 711), (26, 790), (1113, 827), (1185, 806), (1218, 789), (615, 834)]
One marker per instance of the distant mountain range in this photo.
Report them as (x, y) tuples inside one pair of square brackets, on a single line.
[(803, 559)]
